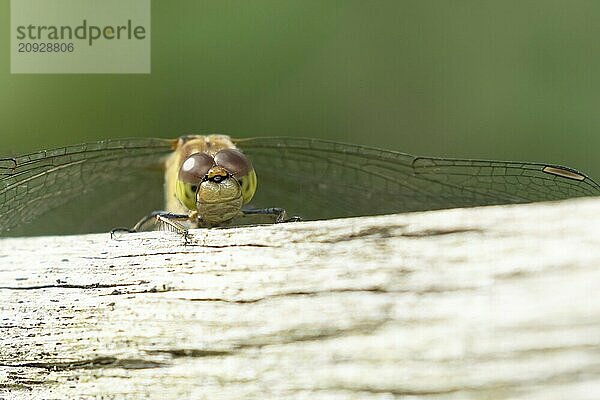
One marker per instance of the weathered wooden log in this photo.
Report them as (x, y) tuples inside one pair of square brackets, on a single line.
[(493, 302)]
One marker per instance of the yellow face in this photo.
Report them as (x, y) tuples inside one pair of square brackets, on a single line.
[(216, 186)]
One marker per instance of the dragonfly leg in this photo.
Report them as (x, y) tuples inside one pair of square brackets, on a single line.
[(164, 220), (278, 214)]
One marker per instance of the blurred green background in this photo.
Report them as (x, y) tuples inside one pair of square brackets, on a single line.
[(512, 80)]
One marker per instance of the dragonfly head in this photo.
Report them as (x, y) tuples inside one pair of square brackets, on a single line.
[(216, 186)]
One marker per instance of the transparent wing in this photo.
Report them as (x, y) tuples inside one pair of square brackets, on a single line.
[(97, 186), (318, 179), (105, 184)]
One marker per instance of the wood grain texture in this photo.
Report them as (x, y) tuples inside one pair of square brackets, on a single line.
[(493, 302)]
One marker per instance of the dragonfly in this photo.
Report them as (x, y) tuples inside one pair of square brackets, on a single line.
[(94, 187)]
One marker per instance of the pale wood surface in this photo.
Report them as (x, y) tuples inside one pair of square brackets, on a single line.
[(496, 302)]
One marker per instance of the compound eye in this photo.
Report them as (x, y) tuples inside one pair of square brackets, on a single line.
[(234, 162), (195, 167)]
